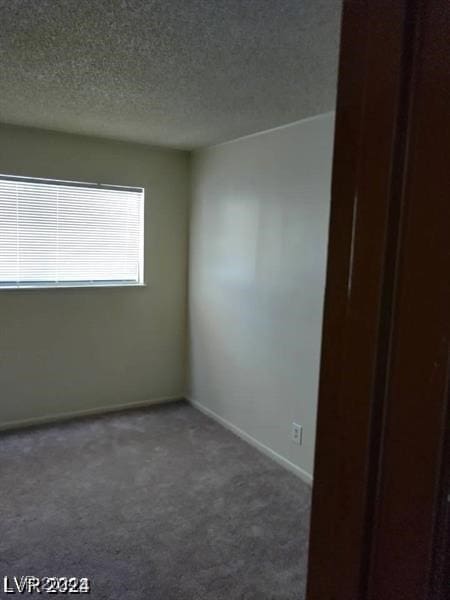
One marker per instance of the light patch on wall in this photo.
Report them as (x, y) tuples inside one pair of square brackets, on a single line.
[(237, 241)]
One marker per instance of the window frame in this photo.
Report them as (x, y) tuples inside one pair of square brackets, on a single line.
[(82, 284)]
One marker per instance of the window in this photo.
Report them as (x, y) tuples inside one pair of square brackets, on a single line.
[(68, 234)]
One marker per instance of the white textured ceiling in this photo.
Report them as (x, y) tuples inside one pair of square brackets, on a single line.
[(181, 73)]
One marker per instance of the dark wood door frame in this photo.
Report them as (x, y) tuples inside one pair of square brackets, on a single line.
[(379, 476)]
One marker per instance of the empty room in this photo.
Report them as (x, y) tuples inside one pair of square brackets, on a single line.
[(164, 202), (205, 243)]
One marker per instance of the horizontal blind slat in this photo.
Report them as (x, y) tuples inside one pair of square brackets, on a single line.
[(52, 233)]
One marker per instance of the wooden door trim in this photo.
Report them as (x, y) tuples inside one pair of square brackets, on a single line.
[(377, 81), (412, 476)]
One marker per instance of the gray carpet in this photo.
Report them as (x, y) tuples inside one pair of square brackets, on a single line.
[(155, 504)]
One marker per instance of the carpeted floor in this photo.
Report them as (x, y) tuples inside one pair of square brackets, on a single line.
[(155, 504)]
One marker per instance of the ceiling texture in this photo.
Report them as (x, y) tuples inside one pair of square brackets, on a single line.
[(179, 73)]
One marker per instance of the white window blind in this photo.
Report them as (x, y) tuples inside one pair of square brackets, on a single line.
[(63, 234)]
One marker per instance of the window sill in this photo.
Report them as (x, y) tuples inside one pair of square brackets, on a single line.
[(19, 288)]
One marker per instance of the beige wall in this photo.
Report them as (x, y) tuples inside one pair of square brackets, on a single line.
[(258, 241), (73, 350)]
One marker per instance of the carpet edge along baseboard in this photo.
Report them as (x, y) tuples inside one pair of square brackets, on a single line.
[(278, 458), (75, 414)]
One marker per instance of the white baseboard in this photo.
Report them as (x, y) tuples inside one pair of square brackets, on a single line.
[(22, 423), (281, 460)]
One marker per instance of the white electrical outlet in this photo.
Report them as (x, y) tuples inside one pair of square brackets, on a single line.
[(297, 433)]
